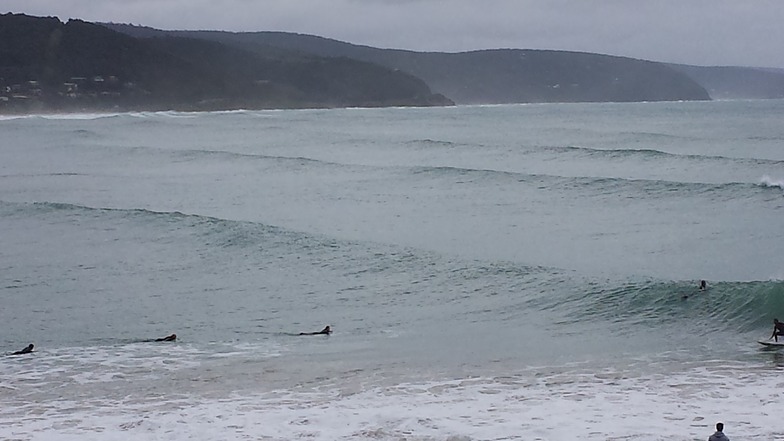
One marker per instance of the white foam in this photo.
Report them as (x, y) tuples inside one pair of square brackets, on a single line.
[(164, 113), (97, 365), (76, 116), (767, 181), (531, 406), (59, 116)]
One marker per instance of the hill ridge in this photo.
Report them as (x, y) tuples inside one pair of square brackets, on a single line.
[(47, 65), (488, 76), (719, 82)]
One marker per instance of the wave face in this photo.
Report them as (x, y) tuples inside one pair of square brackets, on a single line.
[(137, 252), (471, 261)]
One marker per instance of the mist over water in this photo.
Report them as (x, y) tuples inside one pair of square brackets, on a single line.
[(477, 264)]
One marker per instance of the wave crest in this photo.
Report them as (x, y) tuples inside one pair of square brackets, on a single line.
[(767, 181)]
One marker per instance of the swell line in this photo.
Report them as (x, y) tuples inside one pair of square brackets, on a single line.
[(600, 184), (654, 154)]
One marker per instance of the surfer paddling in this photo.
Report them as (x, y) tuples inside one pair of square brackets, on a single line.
[(172, 337), (326, 331), (26, 350), (778, 329)]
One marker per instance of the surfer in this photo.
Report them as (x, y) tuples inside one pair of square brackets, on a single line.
[(702, 287), (326, 331), (26, 350), (778, 329), (172, 337), (719, 434)]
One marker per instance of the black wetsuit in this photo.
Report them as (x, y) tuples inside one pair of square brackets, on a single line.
[(26, 350)]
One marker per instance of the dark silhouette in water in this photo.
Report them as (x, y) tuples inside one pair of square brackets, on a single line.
[(778, 329), (703, 287), (326, 331), (172, 337), (26, 350), (719, 434)]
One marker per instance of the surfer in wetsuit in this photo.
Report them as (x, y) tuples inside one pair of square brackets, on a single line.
[(26, 350), (326, 331), (172, 337), (778, 329), (703, 287)]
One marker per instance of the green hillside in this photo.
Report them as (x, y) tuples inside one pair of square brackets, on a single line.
[(47, 65), (488, 76)]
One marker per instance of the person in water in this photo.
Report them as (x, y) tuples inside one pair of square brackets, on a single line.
[(719, 434), (778, 329), (326, 331), (702, 287), (172, 337), (26, 350)]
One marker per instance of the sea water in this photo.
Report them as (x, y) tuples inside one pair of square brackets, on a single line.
[(522, 272)]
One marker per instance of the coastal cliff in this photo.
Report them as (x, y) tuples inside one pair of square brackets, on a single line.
[(498, 76), (47, 65)]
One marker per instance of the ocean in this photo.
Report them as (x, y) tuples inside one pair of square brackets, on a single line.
[(516, 272)]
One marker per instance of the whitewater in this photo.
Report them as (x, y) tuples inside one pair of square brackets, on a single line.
[(489, 273)]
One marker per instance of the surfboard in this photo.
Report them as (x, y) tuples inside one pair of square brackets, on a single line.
[(771, 343)]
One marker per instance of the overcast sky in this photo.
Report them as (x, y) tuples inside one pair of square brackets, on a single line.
[(701, 32)]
